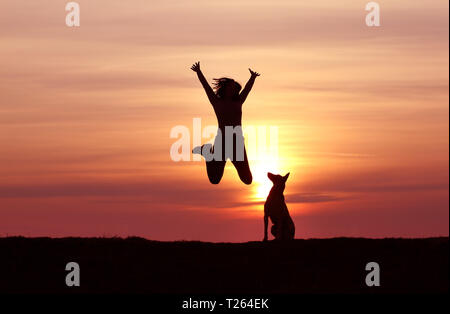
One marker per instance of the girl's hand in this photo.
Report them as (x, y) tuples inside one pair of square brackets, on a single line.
[(253, 73), (196, 67)]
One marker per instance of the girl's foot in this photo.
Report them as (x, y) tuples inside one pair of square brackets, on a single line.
[(205, 148)]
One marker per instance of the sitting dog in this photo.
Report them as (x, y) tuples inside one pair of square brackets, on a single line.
[(275, 208)]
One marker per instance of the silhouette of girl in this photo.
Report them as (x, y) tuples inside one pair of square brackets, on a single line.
[(227, 103)]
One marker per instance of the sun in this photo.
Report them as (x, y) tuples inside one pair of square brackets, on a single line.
[(260, 167)]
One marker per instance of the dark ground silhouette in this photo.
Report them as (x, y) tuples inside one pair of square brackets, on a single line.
[(136, 265)]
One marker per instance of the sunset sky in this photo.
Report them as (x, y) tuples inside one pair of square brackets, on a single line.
[(86, 114)]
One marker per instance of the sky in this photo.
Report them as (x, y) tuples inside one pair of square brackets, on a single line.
[(86, 113)]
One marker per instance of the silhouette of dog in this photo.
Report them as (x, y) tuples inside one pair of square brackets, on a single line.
[(275, 208)]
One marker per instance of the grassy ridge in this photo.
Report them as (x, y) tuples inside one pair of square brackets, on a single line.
[(136, 265)]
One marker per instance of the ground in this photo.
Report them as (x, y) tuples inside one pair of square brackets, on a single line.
[(136, 265)]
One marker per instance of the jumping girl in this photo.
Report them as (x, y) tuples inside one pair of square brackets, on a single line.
[(227, 100)]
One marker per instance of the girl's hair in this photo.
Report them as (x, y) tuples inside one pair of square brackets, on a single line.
[(220, 84)]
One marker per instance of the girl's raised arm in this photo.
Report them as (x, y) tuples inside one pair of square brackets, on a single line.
[(209, 91), (249, 85)]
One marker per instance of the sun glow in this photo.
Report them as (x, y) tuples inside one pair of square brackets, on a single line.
[(260, 167)]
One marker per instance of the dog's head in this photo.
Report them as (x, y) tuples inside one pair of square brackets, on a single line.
[(277, 180)]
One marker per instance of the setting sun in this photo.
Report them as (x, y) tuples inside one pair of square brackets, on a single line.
[(264, 164)]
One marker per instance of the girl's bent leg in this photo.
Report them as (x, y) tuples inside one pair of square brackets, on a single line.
[(243, 170), (215, 170)]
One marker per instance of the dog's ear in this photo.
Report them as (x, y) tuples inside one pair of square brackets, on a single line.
[(286, 177), (271, 176)]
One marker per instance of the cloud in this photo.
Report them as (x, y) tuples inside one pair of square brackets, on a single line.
[(381, 181), (156, 192), (378, 88), (295, 198), (312, 198), (241, 23), (114, 80)]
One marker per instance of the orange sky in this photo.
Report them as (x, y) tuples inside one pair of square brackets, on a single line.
[(85, 117)]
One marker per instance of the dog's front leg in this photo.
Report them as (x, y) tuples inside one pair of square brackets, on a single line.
[(266, 222)]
